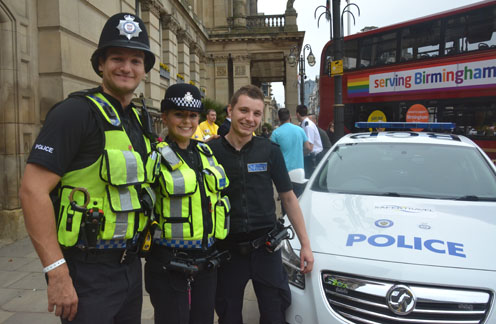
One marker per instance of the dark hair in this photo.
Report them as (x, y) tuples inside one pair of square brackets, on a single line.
[(211, 109), (247, 90), (283, 114), (302, 110)]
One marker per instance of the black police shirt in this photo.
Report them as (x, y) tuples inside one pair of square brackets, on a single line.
[(72, 139), (251, 172)]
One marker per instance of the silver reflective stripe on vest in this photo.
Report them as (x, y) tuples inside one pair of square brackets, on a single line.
[(220, 170), (120, 225), (131, 167), (125, 199), (210, 160), (176, 211), (178, 181), (169, 155)]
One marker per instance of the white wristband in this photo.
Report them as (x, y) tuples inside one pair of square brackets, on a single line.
[(54, 265)]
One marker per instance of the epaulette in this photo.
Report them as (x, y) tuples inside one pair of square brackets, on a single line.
[(83, 93), (172, 160), (204, 148)]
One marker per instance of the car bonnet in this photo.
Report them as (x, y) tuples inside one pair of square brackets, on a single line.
[(432, 232)]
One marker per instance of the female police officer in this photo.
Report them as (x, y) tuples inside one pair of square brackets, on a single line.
[(180, 272)]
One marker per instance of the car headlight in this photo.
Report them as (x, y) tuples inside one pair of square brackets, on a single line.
[(291, 262)]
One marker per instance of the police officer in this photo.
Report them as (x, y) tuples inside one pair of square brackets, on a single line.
[(253, 164), (180, 272), (94, 158)]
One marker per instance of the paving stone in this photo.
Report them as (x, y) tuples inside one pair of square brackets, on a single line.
[(28, 318), (28, 301), (7, 278), (4, 316), (11, 263), (21, 247), (6, 295), (147, 309), (33, 266), (31, 281)]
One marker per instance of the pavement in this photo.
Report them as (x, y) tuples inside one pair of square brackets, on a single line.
[(23, 298)]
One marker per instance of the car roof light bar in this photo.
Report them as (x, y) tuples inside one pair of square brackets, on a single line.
[(406, 126)]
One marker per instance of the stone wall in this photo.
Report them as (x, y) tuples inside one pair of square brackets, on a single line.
[(46, 50)]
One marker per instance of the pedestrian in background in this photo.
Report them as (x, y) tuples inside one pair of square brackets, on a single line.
[(330, 132), (209, 127), (326, 143), (253, 164), (181, 270), (313, 136), (85, 191), (294, 144), (226, 125)]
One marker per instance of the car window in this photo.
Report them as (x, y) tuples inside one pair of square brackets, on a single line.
[(412, 170)]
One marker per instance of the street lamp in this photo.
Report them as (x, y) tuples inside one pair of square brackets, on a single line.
[(301, 60)]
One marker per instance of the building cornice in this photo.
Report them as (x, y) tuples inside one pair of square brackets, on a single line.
[(153, 6)]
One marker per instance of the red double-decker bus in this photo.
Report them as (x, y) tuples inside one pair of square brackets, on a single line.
[(439, 68)]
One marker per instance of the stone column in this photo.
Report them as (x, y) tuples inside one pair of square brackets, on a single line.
[(239, 13), (194, 63), (184, 41), (242, 75), (210, 76), (291, 89), (221, 84), (150, 14), (169, 46)]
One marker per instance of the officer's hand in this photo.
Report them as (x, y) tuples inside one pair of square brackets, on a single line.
[(61, 293), (306, 259)]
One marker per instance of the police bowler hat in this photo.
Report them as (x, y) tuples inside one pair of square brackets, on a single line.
[(124, 30), (182, 96)]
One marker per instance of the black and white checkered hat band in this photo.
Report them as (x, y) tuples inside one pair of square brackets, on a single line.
[(183, 103)]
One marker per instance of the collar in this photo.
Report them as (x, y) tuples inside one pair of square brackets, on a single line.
[(115, 103)]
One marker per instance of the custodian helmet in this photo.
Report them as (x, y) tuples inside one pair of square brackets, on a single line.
[(124, 30), (182, 96)]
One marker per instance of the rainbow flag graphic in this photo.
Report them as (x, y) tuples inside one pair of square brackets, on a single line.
[(358, 86)]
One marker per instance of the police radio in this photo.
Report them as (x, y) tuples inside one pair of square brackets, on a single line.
[(277, 235)]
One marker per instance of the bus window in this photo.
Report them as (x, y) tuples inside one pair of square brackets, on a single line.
[(420, 41), (471, 32), (350, 54), (378, 50)]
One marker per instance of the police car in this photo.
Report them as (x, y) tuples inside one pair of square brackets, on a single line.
[(403, 230)]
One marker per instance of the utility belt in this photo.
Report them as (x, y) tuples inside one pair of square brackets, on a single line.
[(271, 241), (99, 256), (188, 262)]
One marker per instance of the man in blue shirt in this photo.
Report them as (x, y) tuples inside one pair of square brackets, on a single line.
[(294, 144)]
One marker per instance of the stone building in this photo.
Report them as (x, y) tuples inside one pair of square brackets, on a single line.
[(218, 45)]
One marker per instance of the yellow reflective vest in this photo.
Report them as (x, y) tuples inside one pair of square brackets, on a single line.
[(115, 182), (192, 213)]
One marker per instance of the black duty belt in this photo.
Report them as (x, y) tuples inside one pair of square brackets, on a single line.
[(188, 262), (98, 256)]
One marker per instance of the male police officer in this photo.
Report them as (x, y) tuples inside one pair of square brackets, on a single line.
[(89, 160), (252, 164)]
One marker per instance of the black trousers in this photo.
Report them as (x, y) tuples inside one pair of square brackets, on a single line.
[(309, 164), (270, 282), (108, 292), (170, 297)]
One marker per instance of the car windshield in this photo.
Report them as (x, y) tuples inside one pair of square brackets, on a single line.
[(408, 170)]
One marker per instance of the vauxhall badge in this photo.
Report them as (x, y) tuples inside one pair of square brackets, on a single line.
[(129, 27)]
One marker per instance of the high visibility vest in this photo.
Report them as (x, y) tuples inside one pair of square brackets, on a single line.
[(183, 220), (115, 182)]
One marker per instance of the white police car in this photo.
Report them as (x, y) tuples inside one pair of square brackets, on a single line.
[(403, 230)]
